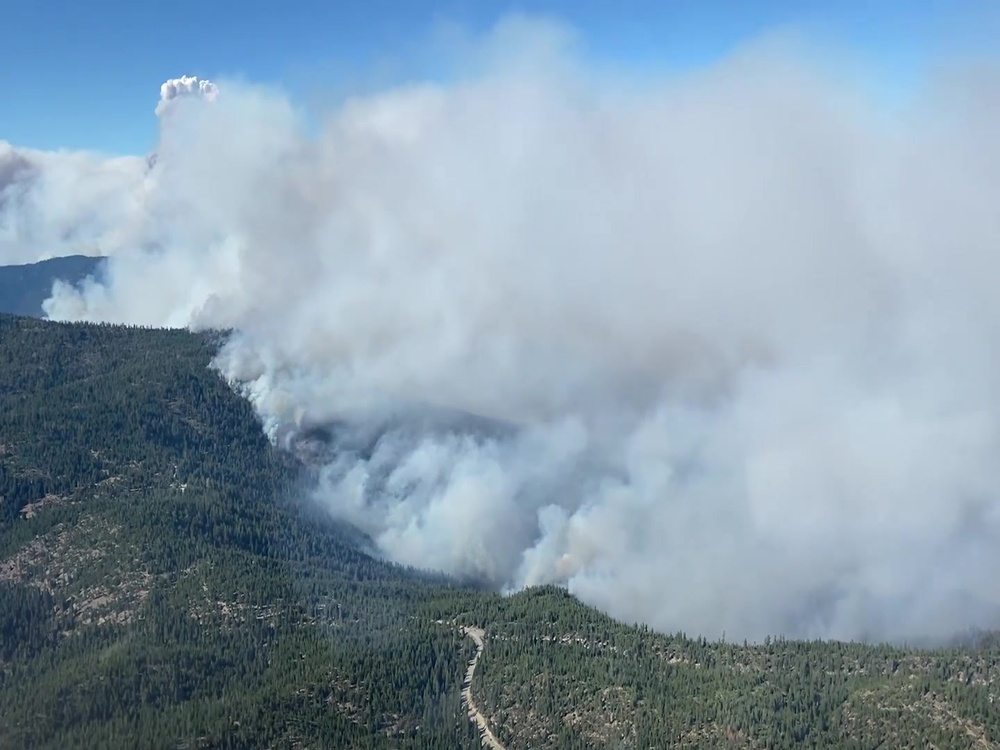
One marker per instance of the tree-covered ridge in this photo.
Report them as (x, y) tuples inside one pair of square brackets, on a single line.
[(558, 674), (161, 586)]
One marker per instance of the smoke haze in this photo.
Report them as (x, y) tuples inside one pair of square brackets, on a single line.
[(61, 203), (737, 326), (64, 203)]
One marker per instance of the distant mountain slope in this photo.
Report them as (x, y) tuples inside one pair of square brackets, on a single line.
[(24, 288)]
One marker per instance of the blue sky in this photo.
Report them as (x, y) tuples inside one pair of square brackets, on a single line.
[(86, 75)]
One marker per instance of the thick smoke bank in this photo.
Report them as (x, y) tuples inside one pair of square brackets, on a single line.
[(740, 327), (79, 203), (55, 204)]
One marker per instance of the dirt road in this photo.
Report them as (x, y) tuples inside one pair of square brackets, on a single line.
[(489, 739)]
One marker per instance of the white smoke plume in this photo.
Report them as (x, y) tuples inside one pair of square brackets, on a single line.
[(65, 203), (184, 87), (738, 328), (81, 203)]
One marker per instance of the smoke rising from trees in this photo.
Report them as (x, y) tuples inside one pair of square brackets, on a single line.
[(738, 324)]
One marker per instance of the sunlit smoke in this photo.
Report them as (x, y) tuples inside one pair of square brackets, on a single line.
[(66, 203), (730, 336), (185, 86), (61, 203)]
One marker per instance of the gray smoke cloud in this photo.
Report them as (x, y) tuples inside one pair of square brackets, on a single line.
[(735, 329)]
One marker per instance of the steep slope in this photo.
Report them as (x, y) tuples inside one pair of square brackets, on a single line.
[(23, 288), (160, 588)]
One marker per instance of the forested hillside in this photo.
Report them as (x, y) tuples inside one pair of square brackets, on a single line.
[(24, 288), (557, 674), (161, 585)]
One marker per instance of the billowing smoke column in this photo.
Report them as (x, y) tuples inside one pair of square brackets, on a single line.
[(185, 87), (731, 338)]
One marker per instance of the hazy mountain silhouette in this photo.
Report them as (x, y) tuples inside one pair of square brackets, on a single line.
[(23, 288)]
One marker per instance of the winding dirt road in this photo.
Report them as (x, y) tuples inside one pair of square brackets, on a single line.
[(488, 738)]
